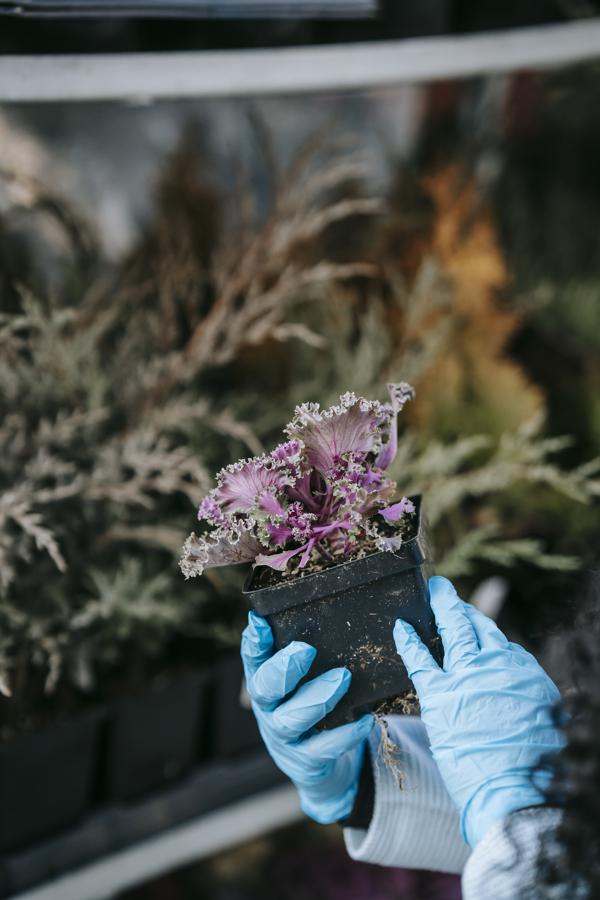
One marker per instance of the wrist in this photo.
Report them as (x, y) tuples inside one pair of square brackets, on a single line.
[(494, 801), (330, 808)]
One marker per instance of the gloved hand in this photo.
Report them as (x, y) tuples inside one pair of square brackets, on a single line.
[(325, 766), (487, 711)]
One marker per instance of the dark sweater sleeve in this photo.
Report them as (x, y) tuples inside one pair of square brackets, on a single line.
[(362, 811)]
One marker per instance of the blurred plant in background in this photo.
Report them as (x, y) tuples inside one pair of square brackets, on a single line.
[(125, 383), (439, 314), (471, 383), (111, 417)]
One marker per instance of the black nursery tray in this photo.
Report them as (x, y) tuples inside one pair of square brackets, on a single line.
[(116, 828), (48, 779), (233, 727), (82, 790), (154, 737)]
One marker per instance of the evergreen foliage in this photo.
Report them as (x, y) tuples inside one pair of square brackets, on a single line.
[(125, 384)]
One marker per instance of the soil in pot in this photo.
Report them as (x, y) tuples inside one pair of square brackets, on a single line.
[(48, 779), (347, 612), (154, 736)]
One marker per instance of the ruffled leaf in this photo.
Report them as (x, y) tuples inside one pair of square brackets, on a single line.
[(400, 394), (398, 510), (241, 485), (321, 489), (200, 553), (329, 435)]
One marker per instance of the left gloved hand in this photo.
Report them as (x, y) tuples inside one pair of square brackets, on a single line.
[(488, 711), (325, 766)]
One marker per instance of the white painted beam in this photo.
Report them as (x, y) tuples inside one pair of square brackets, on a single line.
[(202, 837), (293, 70)]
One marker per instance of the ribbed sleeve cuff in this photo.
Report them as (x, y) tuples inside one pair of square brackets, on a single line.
[(416, 827)]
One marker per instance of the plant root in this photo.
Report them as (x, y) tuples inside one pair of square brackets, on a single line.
[(389, 752)]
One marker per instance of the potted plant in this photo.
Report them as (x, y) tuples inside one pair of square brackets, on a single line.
[(130, 633), (50, 748), (335, 558)]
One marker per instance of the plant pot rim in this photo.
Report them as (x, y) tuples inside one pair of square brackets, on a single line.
[(330, 581)]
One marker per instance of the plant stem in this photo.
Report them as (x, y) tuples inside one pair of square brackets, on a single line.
[(324, 553)]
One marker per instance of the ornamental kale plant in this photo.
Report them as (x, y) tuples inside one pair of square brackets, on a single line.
[(321, 497)]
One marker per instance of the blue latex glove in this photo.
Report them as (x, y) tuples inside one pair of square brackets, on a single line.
[(325, 766), (487, 711)]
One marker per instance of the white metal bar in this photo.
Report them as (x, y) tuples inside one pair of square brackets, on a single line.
[(293, 70), (288, 9), (199, 838)]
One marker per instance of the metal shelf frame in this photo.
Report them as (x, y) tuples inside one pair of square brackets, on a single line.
[(197, 839), (215, 806), (145, 76)]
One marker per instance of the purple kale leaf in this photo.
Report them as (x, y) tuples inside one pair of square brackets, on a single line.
[(322, 493)]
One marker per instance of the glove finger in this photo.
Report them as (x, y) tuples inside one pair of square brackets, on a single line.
[(330, 745), (280, 674), (488, 634), (455, 628), (257, 644), (416, 657), (311, 703)]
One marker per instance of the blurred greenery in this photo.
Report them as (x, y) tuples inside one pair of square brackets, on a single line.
[(126, 383)]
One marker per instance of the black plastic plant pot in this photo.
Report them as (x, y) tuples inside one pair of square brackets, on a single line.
[(233, 726), (348, 612), (48, 779), (154, 736)]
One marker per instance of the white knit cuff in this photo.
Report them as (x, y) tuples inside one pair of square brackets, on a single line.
[(417, 826)]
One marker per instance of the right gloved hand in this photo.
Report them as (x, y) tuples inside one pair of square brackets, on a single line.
[(325, 766), (487, 711)]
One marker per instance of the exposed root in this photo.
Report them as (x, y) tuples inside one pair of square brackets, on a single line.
[(389, 751)]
